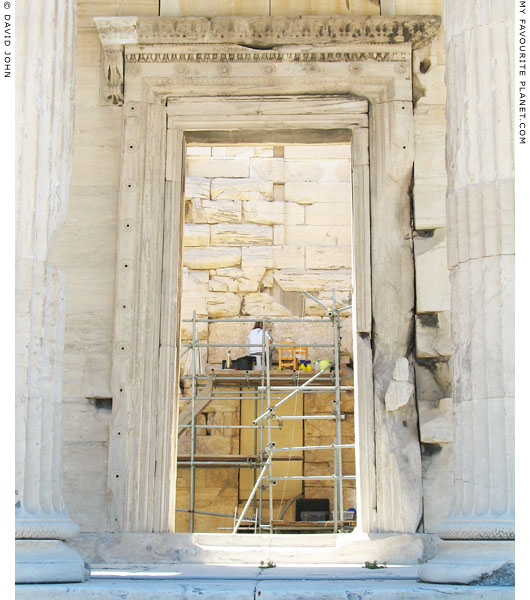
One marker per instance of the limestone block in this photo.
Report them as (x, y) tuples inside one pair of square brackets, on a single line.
[(193, 280), (73, 368), (263, 212), (88, 48), (433, 335), (318, 152), (429, 144), (194, 292), (307, 333), (233, 280), (294, 214), (263, 304), (198, 151), (330, 213), (87, 331), (87, 86), (400, 390), (342, 298), (196, 235), (241, 189), (222, 284), (85, 484), (216, 211), (83, 422), (196, 187), (257, 256), (278, 192), (97, 127), (223, 305), (432, 275), (238, 235), (222, 333), (233, 272), (438, 482), (332, 235), (278, 235), (288, 257), (97, 374), (317, 170), (92, 205), (296, 280), (270, 169), (433, 379), (437, 424), (93, 163), (217, 167), (328, 258), (251, 279), (186, 332), (306, 192), (268, 280), (429, 74), (429, 205), (206, 258)]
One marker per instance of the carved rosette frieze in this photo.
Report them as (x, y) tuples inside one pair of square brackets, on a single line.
[(253, 39)]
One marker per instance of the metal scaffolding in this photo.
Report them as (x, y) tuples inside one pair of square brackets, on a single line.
[(262, 382)]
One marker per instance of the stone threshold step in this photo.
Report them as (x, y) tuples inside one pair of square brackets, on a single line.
[(258, 589)]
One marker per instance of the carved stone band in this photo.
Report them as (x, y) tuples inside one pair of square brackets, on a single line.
[(254, 39), (147, 56), (259, 32)]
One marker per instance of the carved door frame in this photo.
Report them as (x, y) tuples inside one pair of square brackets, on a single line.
[(196, 61)]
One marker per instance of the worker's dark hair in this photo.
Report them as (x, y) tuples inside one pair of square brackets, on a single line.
[(258, 325)]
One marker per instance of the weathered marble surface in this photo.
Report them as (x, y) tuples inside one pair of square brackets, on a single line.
[(480, 240), (43, 160)]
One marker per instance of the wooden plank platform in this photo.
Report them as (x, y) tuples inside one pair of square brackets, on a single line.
[(254, 378), (309, 525)]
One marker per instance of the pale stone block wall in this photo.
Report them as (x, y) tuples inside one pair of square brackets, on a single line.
[(433, 323), (247, 242), (85, 249)]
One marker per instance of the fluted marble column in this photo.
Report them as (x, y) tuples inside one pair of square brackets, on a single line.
[(45, 44), (480, 204)]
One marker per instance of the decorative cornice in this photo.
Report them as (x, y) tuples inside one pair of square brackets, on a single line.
[(267, 32), (148, 55), (264, 38)]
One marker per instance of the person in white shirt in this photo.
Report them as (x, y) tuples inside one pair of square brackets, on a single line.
[(258, 334)]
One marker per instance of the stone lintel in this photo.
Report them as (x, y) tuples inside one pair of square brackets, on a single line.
[(269, 35)]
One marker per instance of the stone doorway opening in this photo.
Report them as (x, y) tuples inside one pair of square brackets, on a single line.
[(267, 234)]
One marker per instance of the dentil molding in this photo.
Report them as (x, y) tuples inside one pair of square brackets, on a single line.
[(252, 39)]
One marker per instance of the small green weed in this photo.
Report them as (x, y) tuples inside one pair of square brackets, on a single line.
[(373, 564), (269, 565)]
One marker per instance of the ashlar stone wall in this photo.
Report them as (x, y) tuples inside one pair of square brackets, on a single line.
[(85, 249), (433, 319), (262, 224)]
